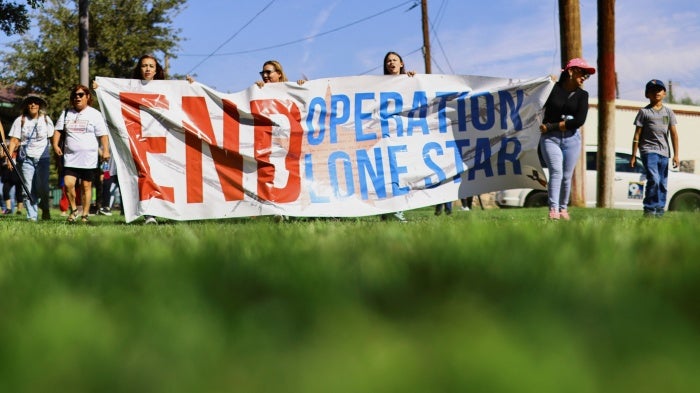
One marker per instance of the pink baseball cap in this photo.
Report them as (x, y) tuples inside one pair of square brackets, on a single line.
[(580, 63)]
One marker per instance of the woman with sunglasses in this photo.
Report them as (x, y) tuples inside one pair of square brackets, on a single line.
[(560, 143), (272, 72), (29, 137), (86, 142)]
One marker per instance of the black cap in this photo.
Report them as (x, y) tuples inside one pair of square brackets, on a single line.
[(654, 84)]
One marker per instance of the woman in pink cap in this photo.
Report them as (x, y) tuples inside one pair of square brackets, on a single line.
[(560, 143)]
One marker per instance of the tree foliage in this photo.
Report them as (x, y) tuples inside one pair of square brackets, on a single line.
[(688, 101), (14, 18), (119, 33)]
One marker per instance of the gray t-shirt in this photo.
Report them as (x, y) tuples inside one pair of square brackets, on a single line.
[(655, 125)]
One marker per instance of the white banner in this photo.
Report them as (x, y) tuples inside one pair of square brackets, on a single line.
[(340, 147)]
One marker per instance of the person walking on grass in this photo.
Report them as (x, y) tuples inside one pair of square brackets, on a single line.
[(467, 203), (10, 180), (30, 135), (85, 132), (272, 72), (560, 142), (393, 65), (147, 69), (653, 126)]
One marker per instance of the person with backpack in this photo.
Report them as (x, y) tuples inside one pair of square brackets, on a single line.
[(29, 137)]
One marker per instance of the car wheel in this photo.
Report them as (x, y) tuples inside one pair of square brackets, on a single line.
[(536, 199), (685, 201)]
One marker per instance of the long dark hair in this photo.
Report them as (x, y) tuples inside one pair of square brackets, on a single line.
[(564, 76), (136, 73), (386, 72)]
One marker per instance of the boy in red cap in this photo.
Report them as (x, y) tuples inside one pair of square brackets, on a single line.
[(654, 123)]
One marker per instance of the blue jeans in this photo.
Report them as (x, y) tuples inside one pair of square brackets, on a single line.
[(560, 150), (656, 167), (447, 206), (35, 172)]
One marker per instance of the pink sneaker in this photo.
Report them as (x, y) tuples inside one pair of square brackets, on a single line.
[(553, 214), (564, 214)]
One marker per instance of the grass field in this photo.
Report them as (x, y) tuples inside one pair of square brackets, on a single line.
[(482, 301)]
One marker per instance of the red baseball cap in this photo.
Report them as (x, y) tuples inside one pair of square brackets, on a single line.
[(580, 63)]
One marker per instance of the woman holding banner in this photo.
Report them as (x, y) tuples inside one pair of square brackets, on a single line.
[(560, 143), (147, 69), (272, 72), (393, 65)]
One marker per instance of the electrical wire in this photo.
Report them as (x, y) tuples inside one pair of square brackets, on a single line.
[(231, 37), (308, 37), (381, 66)]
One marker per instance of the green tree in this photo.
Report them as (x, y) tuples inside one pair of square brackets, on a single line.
[(119, 33), (14, 18), (688, 101)]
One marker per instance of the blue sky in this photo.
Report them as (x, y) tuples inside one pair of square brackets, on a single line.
[(505, 38), (225, 40)]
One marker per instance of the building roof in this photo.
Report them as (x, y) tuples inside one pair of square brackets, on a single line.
[(8, 98)]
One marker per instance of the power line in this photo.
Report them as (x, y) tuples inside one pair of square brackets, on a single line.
[(380, 66), (308, 37), (230, 38)]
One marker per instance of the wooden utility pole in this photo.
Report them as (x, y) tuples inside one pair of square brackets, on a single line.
[(83, 42), (606, 102), (570, 32), (426, 36)]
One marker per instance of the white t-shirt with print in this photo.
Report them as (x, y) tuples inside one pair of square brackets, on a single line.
[(82, 132), (33, 140)]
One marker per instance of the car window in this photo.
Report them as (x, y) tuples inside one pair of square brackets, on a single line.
[(622, 163), (591, 160)]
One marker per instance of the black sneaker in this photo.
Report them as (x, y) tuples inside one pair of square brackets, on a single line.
[(104, 211)]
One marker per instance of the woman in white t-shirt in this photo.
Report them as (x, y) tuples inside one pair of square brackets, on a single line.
[(85, 132), (30, 135)]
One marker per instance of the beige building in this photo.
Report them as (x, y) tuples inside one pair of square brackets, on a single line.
[(688, 127)]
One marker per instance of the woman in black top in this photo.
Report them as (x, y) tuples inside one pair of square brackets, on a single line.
[(565, 112)]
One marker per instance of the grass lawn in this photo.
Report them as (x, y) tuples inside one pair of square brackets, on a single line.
[(496, 300)]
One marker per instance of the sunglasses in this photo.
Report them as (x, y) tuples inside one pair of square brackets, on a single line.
[(583, 73), (79, 95), (266, 72)]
